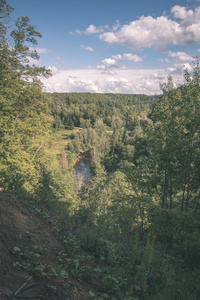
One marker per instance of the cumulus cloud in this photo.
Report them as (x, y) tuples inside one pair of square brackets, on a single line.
[(179, 68), (181, 56), (108, 64), (144, 32), (53, 69), (158, 32), (124, 81), (116, 25), (70, 81), (128, 56), (92, 29), (88, 48), (180, 12), (40, 50)]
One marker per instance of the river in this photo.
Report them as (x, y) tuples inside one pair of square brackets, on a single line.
[(82, 168)]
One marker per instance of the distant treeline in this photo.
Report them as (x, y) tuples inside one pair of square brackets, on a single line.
[(83, 109)]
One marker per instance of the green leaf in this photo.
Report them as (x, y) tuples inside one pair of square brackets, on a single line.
[(91, 294), (63, 273), (37, 254), (16, 249)]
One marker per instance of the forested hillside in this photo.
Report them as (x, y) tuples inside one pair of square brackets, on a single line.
[(133, 231), (82, 110)]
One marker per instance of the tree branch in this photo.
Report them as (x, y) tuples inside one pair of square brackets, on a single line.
[(23, 286), (36, 153)]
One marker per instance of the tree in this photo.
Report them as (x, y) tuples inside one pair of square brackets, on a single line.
[(174, 142), (24, 108), (63, 159)]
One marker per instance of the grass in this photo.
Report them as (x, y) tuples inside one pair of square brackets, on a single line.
[(59, 140)]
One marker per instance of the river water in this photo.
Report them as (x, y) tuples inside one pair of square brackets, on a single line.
[(82, 168)]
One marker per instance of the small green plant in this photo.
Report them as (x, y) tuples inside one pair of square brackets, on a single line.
[(16, 249), (111, 282), (91, 294), (62, 271), (55, 225), (68, 291), (104, 251), (71, 244), (22, 258), (40, 268), (75, 272), (52, 271)]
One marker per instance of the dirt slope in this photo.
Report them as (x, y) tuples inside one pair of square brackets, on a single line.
[(29, 249)]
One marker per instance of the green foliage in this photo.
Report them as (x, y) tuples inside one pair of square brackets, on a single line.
[(139, 213), (174, 143), (56, 188), (83, 110), (104, 251), (146, 208), (71, 244), (24, 108), (111, 283)]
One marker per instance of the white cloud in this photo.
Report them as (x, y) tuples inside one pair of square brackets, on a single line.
[(178, 68), (108, 64), (164, 60), (78, 31), (110, 37), (31, 61), (116, 25), (87, 48), (40, 50), (124, 81), (93, 29), (54, 70), (70, 81), (144, 32), (158, 32), (128, 56), (180, 12), (182, 56)]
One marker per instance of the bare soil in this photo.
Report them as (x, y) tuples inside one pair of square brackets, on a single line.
[(23, 236)]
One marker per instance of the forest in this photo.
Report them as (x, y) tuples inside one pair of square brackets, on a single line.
[(138, 217)]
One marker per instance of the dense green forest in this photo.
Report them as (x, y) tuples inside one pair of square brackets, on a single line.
[(82, 110), (139, 215)]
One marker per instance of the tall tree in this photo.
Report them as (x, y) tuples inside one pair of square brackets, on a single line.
[(24, 108), (175, 146)]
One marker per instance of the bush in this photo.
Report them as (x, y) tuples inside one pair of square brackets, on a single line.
[(104, 251)]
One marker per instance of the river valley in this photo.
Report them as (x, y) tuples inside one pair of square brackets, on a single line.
[(82, 168)]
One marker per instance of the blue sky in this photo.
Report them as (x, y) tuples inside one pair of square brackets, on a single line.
[(113, 46)]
